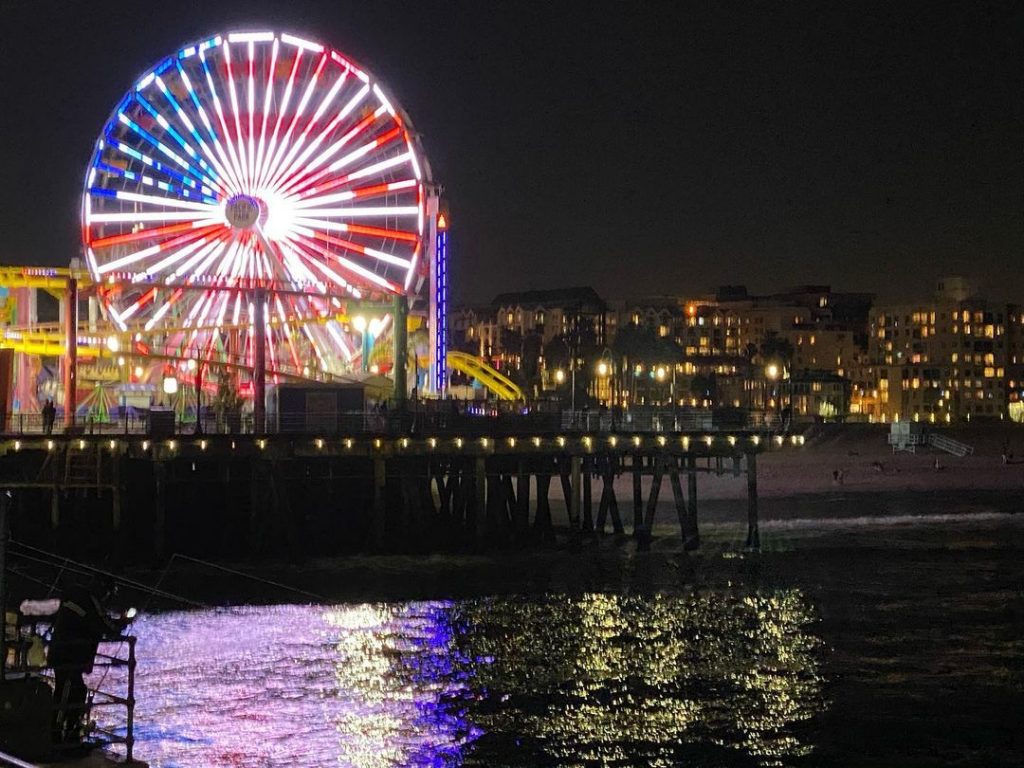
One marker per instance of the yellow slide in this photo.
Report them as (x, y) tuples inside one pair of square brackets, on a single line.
[(495, 381)]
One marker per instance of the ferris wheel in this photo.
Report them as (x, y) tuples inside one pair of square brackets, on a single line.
[(255, 179)]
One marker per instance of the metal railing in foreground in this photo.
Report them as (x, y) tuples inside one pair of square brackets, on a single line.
[(111, 656)]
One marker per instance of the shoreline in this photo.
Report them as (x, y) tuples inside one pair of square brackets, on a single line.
[(793, 529)]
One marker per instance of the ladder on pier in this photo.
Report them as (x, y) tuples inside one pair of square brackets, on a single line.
[(83, 467)]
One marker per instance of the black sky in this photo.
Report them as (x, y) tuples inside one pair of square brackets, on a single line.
[(640, 147)]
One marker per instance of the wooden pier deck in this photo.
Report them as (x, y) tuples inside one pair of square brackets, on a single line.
[(253, 496)]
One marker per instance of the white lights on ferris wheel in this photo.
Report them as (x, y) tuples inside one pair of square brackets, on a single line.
[(253, 162)]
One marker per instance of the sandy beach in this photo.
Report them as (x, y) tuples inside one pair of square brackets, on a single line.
[(868, 465)]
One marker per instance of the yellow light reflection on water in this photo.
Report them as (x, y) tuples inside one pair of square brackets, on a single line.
[(712, 677)]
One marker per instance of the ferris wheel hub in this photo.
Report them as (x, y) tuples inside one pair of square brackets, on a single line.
[(243, 211)]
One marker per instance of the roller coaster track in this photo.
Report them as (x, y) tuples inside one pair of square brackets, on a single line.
[(494, 380)]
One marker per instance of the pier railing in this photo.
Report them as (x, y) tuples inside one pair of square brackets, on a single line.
[(435, 417)]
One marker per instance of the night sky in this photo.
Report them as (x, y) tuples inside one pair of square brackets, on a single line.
[(639, 147)]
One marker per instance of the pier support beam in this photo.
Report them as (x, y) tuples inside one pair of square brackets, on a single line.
[(259, 365), (692, 531), (575, 489), (401, 337), (159, 508), (480, 496), (638, 496), (522, 516), (753, 535), (644, 537), (588, 494), (70, 353), (380, 481)]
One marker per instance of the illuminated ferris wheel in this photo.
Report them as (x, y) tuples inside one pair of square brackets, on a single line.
[(254, 179)]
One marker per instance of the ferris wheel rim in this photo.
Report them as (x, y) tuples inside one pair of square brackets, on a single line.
[(193, 202), (409, 136)]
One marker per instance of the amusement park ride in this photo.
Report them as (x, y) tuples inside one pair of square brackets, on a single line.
[(257, 209)]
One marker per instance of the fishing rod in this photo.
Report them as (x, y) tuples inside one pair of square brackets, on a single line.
[(85, 569)]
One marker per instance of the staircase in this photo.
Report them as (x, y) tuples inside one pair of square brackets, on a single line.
[(82, 466), (949, 445)]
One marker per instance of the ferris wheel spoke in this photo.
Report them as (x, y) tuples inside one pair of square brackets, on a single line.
[(233, 94), (144, 299), (144, 234), (338, 145), (134, 154), (132, 218), (211, 210), (348, 265), (348, 245), (298, 260), (196, 266), (301, 163), (307, 94), (251, 109), (164, 309), (187, 168), (390, 234), (225, 164), (357, 193), (374, 144), (235, 164), (298, 271), (112, 171), (211, 161), (216, 244), (153, 250), (268, 97), (362, 173), (174, 258), (289, 164), (285, 101), (210, 174), (311, 215)]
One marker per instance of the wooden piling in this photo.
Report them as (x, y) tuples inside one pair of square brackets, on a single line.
[(379, 510), (115, 496), (159, 507), (687, 525), (644, 539), (480, 495), (575, 489), (54, 507), (753, 535), (692, 533), (588, 493), (522, 516), (638, 496), (542, 519)]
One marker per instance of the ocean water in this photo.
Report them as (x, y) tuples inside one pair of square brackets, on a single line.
[(868, 641)]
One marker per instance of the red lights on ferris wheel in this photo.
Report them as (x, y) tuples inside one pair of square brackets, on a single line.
[(254, 161)]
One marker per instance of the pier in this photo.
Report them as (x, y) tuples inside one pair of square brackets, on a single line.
[(245, 496)]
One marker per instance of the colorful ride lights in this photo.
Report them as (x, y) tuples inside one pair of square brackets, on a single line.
[(254, 161)]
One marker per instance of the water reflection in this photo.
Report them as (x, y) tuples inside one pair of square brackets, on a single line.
[(716, 678)]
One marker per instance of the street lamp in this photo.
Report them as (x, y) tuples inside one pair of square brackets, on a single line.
[(560, 379)]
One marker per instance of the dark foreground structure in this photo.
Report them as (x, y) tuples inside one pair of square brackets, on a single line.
[(247, 497)]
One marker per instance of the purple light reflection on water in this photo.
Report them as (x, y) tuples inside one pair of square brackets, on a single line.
[(364, 685)]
